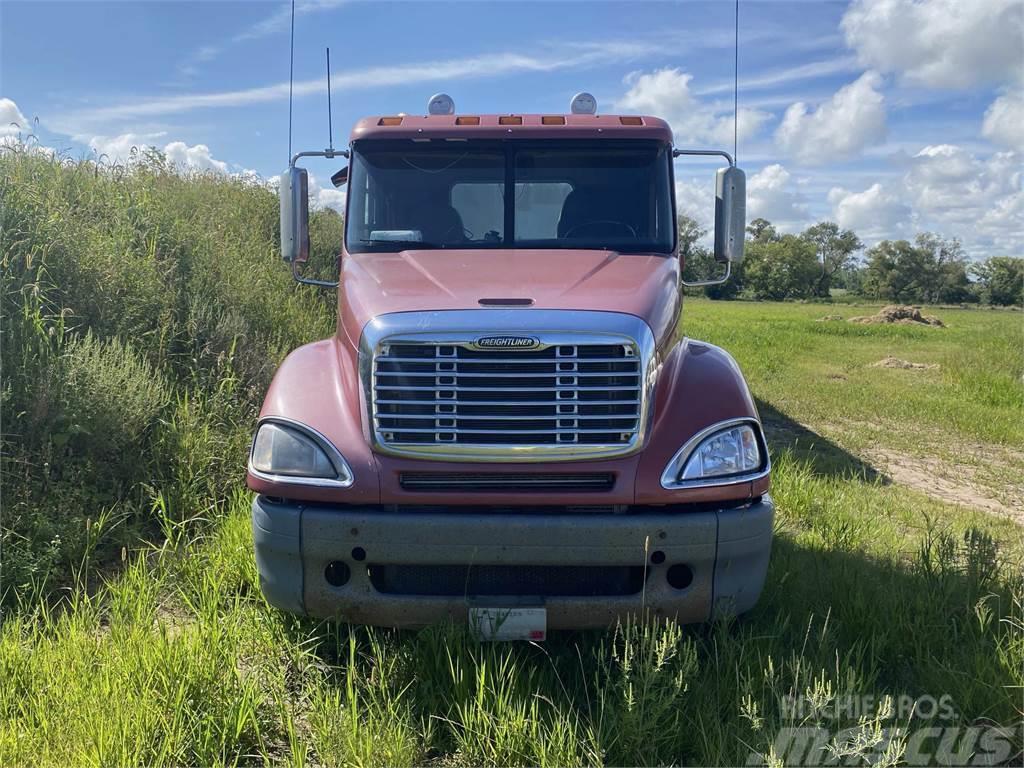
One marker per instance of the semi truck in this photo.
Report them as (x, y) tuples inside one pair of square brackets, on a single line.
[(508, 427)]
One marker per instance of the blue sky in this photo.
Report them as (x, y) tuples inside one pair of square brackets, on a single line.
[(889, 116)]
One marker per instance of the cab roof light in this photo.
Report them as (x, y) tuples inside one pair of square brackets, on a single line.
[(631, 120), (390, 121), (510, 120), (467, 120), (553, 120)]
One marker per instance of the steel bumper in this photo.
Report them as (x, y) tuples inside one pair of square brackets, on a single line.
[(726, 550)]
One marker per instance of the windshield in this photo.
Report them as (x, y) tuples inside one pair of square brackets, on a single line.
[(476, 194)]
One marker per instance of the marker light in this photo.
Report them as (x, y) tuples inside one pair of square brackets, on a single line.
[(441, 104), (583, 103)]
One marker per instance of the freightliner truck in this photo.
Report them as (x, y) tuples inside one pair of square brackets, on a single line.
[(508, 427)]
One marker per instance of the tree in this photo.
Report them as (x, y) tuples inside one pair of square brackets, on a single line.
[(699, 262), (948, 283), (932, 270), (762, 231), (835, 249), (896, 271), (783, 268), (1001, 280)]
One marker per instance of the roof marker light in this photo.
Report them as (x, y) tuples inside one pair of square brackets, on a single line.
[(467, 120), (583, 103), (552, 120), (510, 120), (441, 104), (631, 120), (390, 121)]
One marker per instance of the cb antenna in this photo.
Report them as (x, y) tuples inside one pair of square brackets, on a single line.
[(291, 81), (735, 89), (330, 128)]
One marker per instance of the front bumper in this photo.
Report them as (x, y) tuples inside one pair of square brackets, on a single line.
[(725, 553)]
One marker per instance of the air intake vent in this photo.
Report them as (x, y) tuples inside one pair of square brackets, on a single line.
[(498, 580), (507, 483)]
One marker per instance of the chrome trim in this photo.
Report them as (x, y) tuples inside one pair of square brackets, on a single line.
[(551, 327), (669, 478), (333, 455)]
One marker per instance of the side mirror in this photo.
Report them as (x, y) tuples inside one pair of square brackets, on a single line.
[(730, 214), (340, 177), (294, 193)]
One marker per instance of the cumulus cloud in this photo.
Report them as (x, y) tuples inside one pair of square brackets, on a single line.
[(770, 195), (838, 128), (874, 214), (938, 43), (1004, 121), (945, 189), (666, 93), (126, 147), (12, 122), (321, 196)]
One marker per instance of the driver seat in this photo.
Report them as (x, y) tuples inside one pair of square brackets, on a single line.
[(585, 205)]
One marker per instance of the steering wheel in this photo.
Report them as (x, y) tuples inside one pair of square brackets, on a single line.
[(622, 224), (466, 234)]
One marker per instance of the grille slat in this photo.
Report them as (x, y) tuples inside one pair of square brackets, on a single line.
[(452, 393)]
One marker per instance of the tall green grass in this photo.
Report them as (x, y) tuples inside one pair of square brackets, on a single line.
[(143, 314)]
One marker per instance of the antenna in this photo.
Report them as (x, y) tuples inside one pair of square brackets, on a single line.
[(735, 89), (330, 128), (291, 80)]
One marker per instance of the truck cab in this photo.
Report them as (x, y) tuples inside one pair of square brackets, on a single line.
[(508, 419)]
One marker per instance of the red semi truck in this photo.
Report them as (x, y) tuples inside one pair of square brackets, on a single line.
[(508, 422)]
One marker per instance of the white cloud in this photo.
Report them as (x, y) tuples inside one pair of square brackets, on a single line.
[(874, 214), (770, 196), (127, 146), (666, 93), (939, 43), (946, 189), (197, 157), (446, 71), (837, 129), (1004, 121), (12, 122), (122, 148), (326, 196)]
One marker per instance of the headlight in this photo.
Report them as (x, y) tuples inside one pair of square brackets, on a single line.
[(732, 450), (292, 454)]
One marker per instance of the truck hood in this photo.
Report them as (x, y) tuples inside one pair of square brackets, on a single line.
[(645, 285)]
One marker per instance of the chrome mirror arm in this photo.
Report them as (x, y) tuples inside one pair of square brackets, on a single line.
[(715, 281)]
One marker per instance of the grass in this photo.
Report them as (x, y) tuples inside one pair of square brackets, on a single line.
[(151, 644)]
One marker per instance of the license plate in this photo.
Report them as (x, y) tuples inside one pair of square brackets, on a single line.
[(509, 623)]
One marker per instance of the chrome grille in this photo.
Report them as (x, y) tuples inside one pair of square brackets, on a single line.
[(560, 395)]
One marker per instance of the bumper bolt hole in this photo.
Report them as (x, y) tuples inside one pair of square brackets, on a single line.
[(358, 554), (679, 576), (337, 573), (658, 557)]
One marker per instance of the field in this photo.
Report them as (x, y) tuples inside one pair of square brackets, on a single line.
[(143, 315)]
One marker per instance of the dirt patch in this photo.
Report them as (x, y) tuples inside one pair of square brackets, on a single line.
[(828, 318), (932, 477), (906, 365), (899, 314)]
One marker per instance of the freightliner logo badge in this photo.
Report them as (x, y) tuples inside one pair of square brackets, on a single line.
[(506, 342)]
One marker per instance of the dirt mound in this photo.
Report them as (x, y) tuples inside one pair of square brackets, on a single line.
[(901, 314), (895, 362)]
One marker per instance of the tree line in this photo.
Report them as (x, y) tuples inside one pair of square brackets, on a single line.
[(825, 259)]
